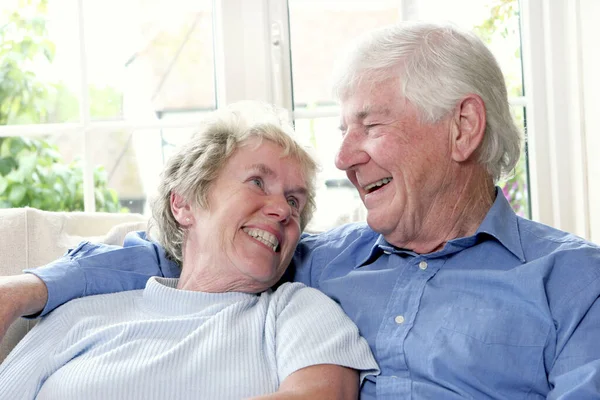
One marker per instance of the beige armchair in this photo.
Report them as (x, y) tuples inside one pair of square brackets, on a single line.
[(30, 238)]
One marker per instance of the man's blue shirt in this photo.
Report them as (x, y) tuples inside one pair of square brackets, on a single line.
[(512, 312)]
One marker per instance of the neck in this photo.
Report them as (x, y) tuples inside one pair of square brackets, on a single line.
[(203, 274), (455, 212)]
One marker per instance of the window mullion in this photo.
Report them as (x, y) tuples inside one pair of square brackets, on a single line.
[(242, 51), (89, 200), (280, 52)]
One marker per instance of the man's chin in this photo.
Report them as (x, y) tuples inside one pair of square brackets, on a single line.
[(378, 221)]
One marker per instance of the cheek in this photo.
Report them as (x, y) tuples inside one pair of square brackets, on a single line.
[(292, 236), (390, 155)]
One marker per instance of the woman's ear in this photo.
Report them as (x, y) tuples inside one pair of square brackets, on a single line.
[(181, 210)]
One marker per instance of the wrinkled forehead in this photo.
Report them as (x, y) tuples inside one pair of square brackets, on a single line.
[(382, 98), (295, 161)]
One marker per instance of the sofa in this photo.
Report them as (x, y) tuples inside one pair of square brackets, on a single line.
[(30, 238)]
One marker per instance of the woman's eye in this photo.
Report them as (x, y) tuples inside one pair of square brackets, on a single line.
[(293, 203), (258, 182)]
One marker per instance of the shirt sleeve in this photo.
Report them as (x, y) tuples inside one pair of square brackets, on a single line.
[(312, 329), (575, 374), (300, 268), (91, 269)]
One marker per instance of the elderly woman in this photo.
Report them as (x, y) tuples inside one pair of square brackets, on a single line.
[(231, 206)]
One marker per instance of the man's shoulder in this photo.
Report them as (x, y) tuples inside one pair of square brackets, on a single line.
[(314, 252), (341, 235), (564, 251), (547, 239)]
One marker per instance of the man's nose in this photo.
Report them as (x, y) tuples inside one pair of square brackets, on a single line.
[(350, 152)]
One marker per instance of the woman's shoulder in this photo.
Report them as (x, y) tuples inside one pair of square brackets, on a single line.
[(292, 295), (290, 289)]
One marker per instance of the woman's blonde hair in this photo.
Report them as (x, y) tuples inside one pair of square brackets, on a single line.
[(192, 169)]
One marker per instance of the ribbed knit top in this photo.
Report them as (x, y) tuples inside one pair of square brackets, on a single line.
[(161, 342)]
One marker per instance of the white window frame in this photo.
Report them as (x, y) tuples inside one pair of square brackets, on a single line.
[(252, 61)]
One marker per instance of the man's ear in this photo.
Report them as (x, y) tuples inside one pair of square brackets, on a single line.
[(181, 210), (469, 127)]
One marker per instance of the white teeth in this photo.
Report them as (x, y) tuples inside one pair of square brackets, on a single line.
[(381, 182), (263, 236)]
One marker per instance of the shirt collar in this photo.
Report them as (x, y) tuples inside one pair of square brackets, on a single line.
[(382, 246), (500, 222)]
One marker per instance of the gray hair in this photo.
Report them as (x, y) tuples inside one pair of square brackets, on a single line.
[(438, 64), (191, 171)]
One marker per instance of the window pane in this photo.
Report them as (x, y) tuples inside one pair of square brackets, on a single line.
[(156, 56), (337, 200), (132, 161), (38, 62), (46, 172), (116, 165), (494, 21), (34, 173), (318, 30)]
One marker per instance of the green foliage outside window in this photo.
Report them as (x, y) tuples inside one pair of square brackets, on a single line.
[(32, 172)]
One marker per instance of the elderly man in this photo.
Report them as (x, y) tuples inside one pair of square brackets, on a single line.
[(457, 296)]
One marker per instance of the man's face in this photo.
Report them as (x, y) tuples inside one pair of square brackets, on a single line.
[(250, 230), (398, 164)]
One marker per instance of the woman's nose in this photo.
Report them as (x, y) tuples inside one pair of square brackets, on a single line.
[(278, 208)]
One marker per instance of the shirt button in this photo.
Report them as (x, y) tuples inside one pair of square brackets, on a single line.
[(423, 265), (399, 319), (387, 252)]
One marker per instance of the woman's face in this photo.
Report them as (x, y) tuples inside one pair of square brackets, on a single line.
[(245, 240)]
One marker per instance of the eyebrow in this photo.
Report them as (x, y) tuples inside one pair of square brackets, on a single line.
[(263, 169)]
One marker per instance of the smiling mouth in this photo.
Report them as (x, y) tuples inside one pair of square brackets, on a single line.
[(370, 188), (263, 237)]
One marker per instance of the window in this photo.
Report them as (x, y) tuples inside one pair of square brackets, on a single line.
[(94, 92), (94, 87)]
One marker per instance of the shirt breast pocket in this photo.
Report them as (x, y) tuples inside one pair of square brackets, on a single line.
[(491, 353)]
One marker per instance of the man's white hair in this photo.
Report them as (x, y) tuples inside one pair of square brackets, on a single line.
[(437, 65)]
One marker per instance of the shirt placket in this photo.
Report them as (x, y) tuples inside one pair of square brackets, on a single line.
[(399, 317)]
